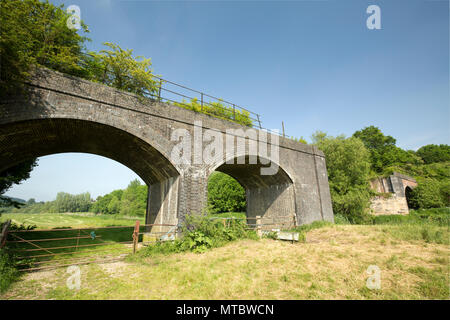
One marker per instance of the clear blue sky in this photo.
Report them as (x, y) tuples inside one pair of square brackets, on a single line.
[(312, 64)]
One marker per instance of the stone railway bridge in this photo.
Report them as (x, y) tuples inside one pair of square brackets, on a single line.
[(61, 113)]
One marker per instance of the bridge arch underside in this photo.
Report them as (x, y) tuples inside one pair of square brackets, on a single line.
[(270, 196), (20, 141)]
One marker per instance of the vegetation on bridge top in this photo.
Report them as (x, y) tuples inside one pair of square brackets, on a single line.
[(35, 33)]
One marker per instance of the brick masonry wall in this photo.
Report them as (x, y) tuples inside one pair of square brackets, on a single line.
[(62, 113), (393, 205)]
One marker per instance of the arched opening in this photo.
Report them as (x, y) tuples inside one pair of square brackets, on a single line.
[(20, 141), (226, 196), (78, 190), (408, 194), (272, 197)]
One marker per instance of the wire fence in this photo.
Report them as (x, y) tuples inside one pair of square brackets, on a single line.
[(51, 248)]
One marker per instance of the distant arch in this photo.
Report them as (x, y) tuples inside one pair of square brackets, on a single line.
[(408, 194)]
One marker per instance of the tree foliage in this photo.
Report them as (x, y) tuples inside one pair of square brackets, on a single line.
[(66, 202), (430, 193), (430, 166), (434, 153), (348, 166), (34, 32), (385, 155), (130, 202), (14, 175), (225, 194), (116, 67)]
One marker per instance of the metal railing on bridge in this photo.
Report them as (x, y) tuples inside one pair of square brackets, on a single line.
[(175, 94)]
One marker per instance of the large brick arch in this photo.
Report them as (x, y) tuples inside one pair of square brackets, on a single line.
[(41, 137), (61, 113)]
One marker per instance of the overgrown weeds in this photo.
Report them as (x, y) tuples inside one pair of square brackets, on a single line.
[(8, 271), (200, 234)]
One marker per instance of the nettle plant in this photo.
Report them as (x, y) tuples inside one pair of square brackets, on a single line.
[(200, 233)]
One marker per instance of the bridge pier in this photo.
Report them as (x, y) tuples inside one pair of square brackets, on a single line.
[(162, 204)]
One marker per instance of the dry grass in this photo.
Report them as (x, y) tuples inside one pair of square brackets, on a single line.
[(331, 265)]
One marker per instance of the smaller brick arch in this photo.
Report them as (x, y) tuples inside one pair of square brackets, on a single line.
[(270, 196), (408, 191)]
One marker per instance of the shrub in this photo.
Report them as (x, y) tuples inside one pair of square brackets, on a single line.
[(200, 234), (8, 271), (341, 219), (219, 110)]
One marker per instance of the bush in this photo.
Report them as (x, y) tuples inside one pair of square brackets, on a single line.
[(8, 271), (341, 219), (219, 110), (200, 234)]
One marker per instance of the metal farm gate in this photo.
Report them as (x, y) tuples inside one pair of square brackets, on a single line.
[(45, 249), (52, 248)]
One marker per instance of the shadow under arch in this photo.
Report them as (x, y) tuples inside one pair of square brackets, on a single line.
[(27, 139), (408, 194), (270, 196)]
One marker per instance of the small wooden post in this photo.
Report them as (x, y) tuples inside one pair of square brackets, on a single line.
[(135, 236), (258, 226), (224, 222), (282, 124), (4, 233)]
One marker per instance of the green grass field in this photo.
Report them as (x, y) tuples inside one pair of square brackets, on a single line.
[(71, 220), (332, 264), (89, 233), (412, 253)]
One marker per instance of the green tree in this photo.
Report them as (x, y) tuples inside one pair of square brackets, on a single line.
[(434, 153), (385, 156), (225, 194), (66, 202), (378, 144), (118, 68), (348, 165), (35, 32), (134, 199), (14, 175)]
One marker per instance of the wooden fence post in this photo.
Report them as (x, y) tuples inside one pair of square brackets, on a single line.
[(258, 226), (4, 233), (135, 236)]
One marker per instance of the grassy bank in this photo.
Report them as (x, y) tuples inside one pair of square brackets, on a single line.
[(411, 251), (332, 264)]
